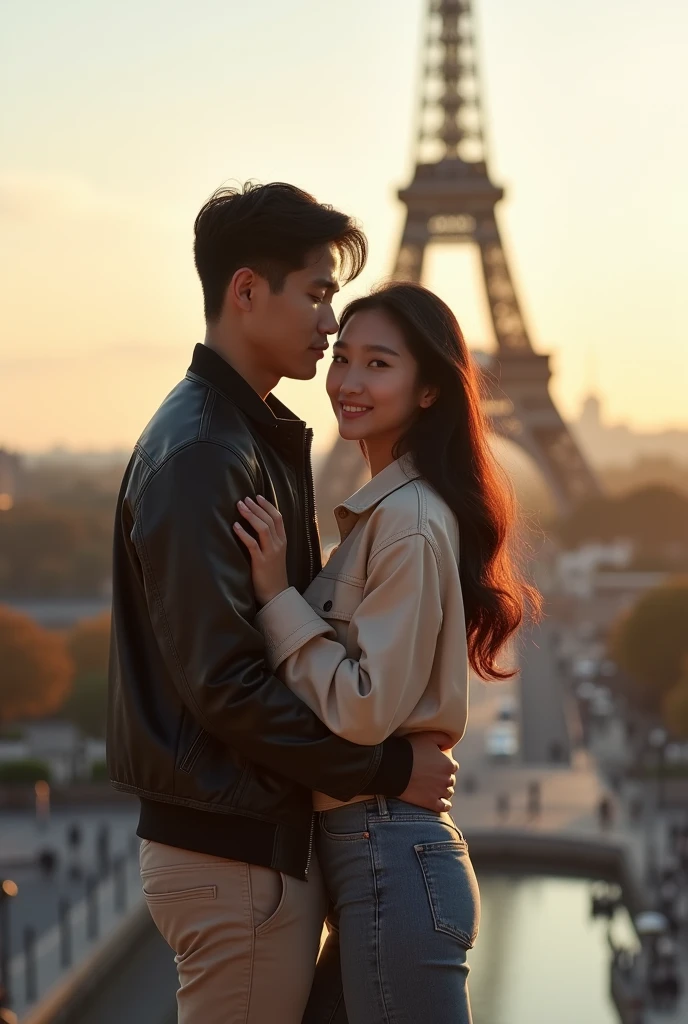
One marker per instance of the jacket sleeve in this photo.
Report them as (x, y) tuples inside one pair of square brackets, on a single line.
[(197, 580), (395, 627)]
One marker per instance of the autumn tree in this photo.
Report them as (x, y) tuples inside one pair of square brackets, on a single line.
[(89, 643), (650, 643), (36, 670)]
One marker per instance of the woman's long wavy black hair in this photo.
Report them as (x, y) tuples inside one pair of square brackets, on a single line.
[(448, 443)]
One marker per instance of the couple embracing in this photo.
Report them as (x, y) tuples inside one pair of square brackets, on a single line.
[(288, 727)]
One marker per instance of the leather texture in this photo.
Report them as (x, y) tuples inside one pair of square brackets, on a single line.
[(196, 717)]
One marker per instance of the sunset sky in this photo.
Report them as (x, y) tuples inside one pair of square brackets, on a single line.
[(118, 119)]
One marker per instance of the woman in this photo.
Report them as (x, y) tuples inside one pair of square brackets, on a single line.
[(421, 586)]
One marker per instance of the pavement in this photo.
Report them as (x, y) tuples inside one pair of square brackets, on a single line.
[(545, 718)]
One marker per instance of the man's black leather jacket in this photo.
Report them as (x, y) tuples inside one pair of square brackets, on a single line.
[(222, 755)]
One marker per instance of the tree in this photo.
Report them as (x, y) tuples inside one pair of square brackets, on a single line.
[(54, 550), (650, 643), (36, 670), (89, 644), (31, 770), (654, 518), (646, 471), (675, 706)]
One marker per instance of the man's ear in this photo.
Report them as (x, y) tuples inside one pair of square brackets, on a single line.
[(239, 291)]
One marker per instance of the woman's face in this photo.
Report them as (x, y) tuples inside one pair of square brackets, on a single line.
[(372, 382)]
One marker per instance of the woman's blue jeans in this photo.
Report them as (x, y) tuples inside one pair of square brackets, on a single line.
[(405, 908)]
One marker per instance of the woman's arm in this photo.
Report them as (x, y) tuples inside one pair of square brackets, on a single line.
[(395, 626)]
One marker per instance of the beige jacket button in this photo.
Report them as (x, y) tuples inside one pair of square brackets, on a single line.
[(327, 607), (342, 513)]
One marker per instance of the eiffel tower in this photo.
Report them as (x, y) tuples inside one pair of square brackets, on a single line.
[(452, 199)]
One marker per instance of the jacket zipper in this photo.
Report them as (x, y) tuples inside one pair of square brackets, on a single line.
[(310, 499), (310, 843), (192, 754), (310, 518)]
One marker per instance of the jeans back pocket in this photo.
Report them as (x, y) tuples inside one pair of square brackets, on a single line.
[(452, 889)]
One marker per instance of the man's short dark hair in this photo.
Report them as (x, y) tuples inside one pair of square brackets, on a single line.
[(271, 229)]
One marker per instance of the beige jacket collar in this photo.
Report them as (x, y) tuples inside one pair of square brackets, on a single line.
[(372, 493)]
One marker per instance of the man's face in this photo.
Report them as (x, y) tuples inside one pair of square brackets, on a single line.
[(288, 330)]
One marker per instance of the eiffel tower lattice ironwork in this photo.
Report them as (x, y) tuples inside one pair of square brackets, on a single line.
[(452, 199)]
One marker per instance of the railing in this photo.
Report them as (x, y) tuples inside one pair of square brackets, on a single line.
[(45, 958)]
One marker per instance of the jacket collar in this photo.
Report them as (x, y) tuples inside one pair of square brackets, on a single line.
[(371, 494), (210, 367), (276, 422)]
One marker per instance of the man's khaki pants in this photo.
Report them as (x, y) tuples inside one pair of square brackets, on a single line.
[(246, 938)]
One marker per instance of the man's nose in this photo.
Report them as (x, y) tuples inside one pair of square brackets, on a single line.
[(328, 322)]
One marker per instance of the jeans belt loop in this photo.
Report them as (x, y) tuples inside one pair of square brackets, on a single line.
[(382, 806)]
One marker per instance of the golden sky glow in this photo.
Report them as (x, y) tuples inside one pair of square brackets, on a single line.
[(123, 117)]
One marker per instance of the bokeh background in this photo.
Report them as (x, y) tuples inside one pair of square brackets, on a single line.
[(117, 121)]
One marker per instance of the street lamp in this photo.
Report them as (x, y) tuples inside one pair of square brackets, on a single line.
[(42, 792), (8, 889)]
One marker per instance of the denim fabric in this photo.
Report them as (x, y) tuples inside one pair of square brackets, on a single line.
[(405, 908)]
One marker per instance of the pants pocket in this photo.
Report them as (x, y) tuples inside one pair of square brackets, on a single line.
[(330, 822), (178, 908), (197, 892), (452, 889), (268, 896)]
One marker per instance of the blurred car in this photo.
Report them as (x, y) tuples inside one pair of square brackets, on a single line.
[(586, 690), (602, 704), (585, 668), (501, 741), (676, 753)]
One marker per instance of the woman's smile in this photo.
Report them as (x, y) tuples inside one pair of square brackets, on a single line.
[(351, 411)]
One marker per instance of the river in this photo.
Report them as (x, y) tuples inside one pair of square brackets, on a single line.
[(540, 957)]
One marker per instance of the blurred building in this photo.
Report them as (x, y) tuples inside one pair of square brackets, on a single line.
[(60, 612), (619, 444), (577, 570), (68, 755), (596, 581), (60, 457), (9, 479)]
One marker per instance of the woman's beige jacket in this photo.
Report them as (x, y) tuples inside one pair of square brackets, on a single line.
[(377, 643)]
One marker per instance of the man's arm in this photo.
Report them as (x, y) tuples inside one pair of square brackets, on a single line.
[(200, 598)]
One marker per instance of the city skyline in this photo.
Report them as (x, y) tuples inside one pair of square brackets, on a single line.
[(121, 126), (605, 443)]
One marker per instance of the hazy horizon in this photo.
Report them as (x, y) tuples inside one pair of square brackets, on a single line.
[(57, 448)]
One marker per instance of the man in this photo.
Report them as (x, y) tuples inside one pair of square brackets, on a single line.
[(221, 754)]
